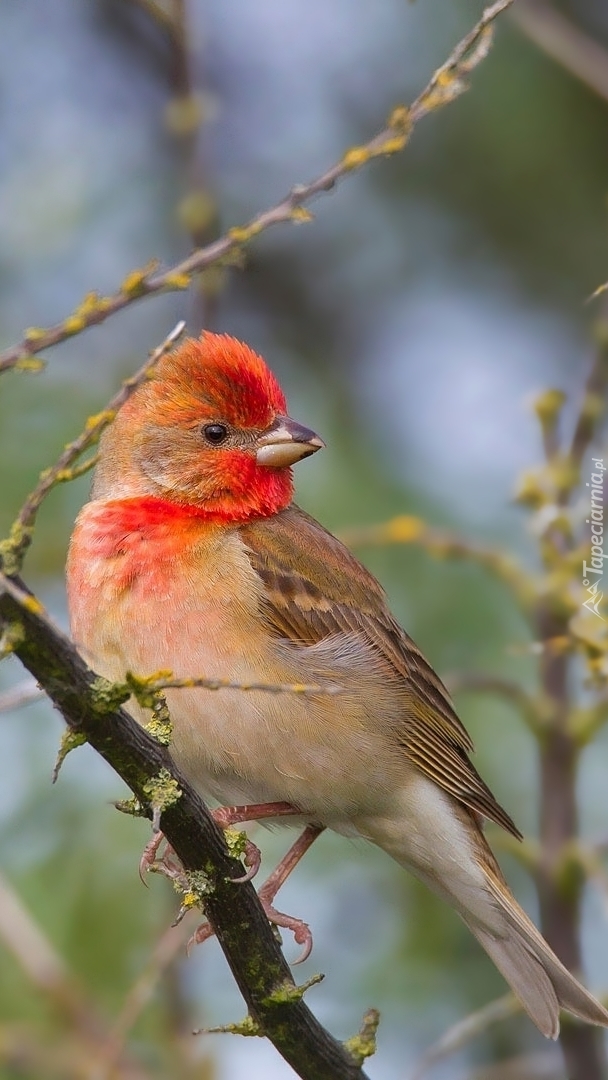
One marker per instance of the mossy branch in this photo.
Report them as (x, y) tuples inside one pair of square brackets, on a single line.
[(234, 911), (146, 688)]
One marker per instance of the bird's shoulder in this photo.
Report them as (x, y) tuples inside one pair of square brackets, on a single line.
[(313, 587)]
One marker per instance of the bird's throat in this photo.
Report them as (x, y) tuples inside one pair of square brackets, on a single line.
[(118, 523)]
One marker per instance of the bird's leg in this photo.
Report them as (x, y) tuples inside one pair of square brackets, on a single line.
[(288, 863), (300, 929), (225, 816), (168, 864), (234, 815)]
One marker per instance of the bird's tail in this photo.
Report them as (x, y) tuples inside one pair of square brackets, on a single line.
[(442, 842), (533, 971)]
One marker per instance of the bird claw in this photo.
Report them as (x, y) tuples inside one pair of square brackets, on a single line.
[(200, 935), (171, 868), (226, 816), (148, 856), (253, 860), (301, 931), (151, 864)]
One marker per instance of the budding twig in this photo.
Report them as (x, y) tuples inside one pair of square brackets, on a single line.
[(448, 82), (12, 551), (406, 529)]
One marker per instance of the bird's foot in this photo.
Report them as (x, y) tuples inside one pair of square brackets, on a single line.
[(227, 816), (300, 930), (168, 864), (252, 857)]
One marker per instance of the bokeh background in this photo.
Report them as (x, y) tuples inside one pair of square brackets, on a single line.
[(411, 324)]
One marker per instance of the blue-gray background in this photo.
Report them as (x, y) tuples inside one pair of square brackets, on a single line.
[(411, 325)]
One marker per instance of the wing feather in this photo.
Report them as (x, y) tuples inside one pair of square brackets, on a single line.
[(331, 593)]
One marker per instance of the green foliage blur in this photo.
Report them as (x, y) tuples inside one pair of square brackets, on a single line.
[(433, 295)]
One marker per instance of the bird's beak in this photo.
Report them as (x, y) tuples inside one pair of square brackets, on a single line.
[(285, 443)]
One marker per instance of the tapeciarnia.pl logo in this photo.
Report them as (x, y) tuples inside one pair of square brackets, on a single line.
[(593, 571)]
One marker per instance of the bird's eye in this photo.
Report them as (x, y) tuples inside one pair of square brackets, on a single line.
[(215, 433)]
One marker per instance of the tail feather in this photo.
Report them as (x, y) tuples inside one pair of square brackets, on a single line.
[(533, 971), (526, 975), (442, 842)]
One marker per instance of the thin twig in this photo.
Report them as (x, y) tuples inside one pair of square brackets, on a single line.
[(564, 42), (157, 682), (170, 944), (528, 707), (406, 529), (13, 550), (30, 947), (18, 696), (448, 82), (464, 1031)]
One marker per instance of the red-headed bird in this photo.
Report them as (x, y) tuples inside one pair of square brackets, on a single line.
[(192, 556)]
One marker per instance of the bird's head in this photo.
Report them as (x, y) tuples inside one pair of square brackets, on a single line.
[(210, 429)]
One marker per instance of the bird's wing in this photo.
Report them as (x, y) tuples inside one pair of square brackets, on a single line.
[(314, 588)]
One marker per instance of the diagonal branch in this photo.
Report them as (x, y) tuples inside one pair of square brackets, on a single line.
[(565, 43), (47, 973), (464, 1031), (13, 550), (275, 1003), (442, 544), (448, 82), (172, 942)]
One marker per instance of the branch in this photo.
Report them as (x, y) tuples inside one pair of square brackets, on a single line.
[(12, 551), (165, 951), (560, 880), (274, 1001), (529, 708), (23, 694), (448, 82), (147, 687), (406, 529), (47, 972), (564, 42), (464, 1031)]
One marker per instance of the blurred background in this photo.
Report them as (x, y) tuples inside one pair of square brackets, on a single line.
[(411, 324)]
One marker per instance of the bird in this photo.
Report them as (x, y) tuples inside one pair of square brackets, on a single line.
[(192, 556)]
